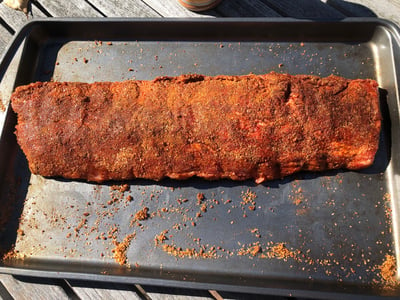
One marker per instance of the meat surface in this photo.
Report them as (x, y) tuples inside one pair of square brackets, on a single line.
[(239, 127)]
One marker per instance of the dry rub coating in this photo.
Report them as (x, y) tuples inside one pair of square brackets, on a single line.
[(239, 127)]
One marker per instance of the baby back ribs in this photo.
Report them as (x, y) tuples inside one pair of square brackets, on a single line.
[(239, 127)]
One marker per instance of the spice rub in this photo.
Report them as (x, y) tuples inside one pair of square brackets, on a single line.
[(238, 127)]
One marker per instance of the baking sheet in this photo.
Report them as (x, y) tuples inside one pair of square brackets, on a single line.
[(310, 234)]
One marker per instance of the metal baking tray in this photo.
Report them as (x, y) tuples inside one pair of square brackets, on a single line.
[(323, 234)]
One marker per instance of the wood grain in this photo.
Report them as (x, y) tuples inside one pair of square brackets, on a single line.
[(16, 19), (171, 8), (351, 9), (304, 9), (170, 293), (69, 8), (118, 8), (249, 8), (35, 289), (87, 290), (384, 9), (5, 38)]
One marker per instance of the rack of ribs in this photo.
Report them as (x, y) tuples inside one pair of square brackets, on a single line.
[(259, 127)]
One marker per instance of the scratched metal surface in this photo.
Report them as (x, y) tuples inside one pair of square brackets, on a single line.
[(321, 232)]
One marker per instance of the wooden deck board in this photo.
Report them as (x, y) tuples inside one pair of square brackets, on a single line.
[(171, 8), (304, 9), (351, 9), (5, 38), (169, 293), (234, 296), (97, 290), (383, 9), (117, 8), (69, 8), (250, 8), (36, 289), (16, 19)]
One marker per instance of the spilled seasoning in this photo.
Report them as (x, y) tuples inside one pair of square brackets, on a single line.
[(388, 271), (121, 249), (140, 215), (2, 106), (280, 251), (189, 252)]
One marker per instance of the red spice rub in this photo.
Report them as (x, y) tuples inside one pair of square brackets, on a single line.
[(239, 127), (121, 249), (388, 271)]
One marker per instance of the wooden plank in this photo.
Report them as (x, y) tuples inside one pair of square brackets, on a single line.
[(310, 9), (102, 290), (171, 8), (4, 294), (351, 9), (234, 296), (118, 8), (5, 38), (384, 9), (249, 8), (70, 8), (31, 288), (169, 293), (15, 19)]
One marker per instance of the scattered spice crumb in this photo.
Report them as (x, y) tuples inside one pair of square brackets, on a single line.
[(297, 201), (121, 188), (251, 250), (280, 251), (189, 252), (256, 232), (13, 254), (199, 197), (388, 271), (141, 215), (80, 225), (124, 188), (121, 249), (248, 197), (160, 238)]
